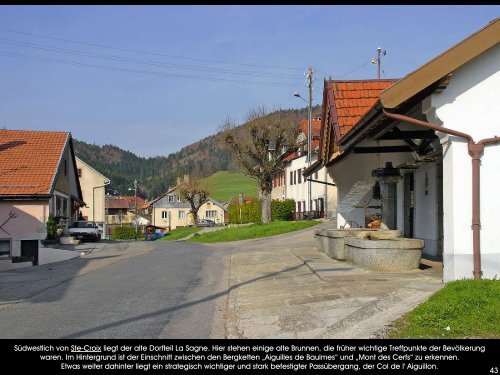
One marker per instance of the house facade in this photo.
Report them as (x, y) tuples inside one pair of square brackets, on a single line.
[(426, 157), (170, 211), (289, 183), (93, 185), (118, 211), (38, 177)]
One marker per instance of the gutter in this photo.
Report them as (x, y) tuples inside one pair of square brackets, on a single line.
[(475, 150), (93, 199), (25, 196)]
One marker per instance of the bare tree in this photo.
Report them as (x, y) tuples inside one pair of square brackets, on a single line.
[(261, 145), (196, 192)]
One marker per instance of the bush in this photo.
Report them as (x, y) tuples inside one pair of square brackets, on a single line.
[(51, 227), (281, 210), (123, 233), (250, 213)]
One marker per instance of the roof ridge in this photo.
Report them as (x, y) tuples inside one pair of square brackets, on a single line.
[(36, 131), (364, 80)]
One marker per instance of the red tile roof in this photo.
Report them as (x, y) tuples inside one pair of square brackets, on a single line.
[(352, 99), (304, 126), (235, 200), (131, 200), (315, 126), (292, 156), (29, 160), (116, 203)]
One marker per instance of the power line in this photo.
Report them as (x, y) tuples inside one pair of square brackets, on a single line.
[(148, 52), (137, 61), (147, 72), (353, 70)]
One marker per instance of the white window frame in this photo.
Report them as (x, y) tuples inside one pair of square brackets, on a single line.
[(164, 214), (211, 214), (7, 256), (182, 215)]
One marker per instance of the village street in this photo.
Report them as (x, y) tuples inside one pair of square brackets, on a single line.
[(271, 287)]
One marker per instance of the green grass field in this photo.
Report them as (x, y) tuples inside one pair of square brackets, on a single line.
[(462, 309), (179, 233), (229, 184), (252, 231)]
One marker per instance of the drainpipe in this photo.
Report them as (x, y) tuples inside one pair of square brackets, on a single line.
[(475, 151), (93, 206)]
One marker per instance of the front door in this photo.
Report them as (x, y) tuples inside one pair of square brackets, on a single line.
[(29, 248)]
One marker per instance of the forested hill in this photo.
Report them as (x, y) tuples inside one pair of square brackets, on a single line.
[(156, 174)]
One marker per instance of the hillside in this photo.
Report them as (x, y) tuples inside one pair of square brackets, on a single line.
[(156, 174), (225, 185)]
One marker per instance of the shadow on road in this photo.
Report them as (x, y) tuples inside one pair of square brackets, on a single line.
[(178, 307)]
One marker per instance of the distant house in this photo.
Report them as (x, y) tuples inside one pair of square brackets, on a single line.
[(93, 186), (38, 177), (170, 211), (117, 211)]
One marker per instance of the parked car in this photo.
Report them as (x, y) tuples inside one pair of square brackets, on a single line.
[(87, 230), (205, 223)]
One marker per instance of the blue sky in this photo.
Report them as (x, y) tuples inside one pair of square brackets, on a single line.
[(132, 95)]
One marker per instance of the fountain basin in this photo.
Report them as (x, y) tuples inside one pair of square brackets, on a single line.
[(332, 241), (393, 255)]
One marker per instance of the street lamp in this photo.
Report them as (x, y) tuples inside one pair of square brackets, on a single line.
[(135, 199), (309, 135)]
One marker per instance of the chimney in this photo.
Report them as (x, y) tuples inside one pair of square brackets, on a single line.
[(178, 181), (186, 178)]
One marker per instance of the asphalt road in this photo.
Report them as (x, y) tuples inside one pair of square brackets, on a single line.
[(121, 290)]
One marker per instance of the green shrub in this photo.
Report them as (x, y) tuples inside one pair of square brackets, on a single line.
[(123, 233), (281, 210), (51, 227), (250, 213)]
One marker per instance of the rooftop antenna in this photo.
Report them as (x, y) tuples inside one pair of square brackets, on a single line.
[(377, 60)]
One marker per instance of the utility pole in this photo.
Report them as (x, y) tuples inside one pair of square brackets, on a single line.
[(135, 199), (310, 72), (377, 60)]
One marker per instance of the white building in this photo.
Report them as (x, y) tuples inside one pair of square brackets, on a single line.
[(291, 184), (433, 126), (93, 186)]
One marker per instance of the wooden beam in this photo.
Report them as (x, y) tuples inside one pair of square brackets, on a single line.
[(408, 134), (381, 149), (321, 182)]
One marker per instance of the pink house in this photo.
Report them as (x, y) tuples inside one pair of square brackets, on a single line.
[(38, 177)]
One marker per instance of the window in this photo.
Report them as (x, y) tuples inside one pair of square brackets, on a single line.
[(61, 206), (178, 198), (291, 178), (321, 203), (4, 249), (300, 175), (316, 175), (164, 215), (211, 214), (182, 214), (171, 198), (294, 177), (299, 207), (79, 170)]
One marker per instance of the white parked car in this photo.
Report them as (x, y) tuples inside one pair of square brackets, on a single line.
[(86, 230)]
